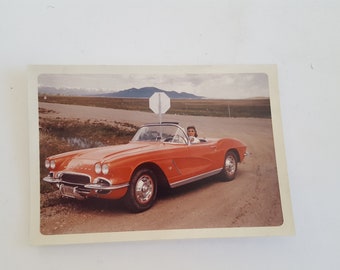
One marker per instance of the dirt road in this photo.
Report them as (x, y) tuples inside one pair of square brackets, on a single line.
[(252, 199)]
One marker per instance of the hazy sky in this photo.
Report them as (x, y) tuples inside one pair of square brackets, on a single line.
[(219, 85)]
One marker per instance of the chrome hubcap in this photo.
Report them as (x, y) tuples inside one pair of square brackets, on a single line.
[(230, 165), (144, 189)]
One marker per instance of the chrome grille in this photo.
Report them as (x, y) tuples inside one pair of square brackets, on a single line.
[(75, 179)]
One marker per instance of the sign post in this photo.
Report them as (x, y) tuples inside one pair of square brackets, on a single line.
[(159, 103)]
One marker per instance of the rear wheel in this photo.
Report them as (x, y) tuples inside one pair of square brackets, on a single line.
[(142, 191), (229, 166)]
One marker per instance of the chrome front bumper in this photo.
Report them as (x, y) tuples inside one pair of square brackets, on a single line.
[(90, 186)]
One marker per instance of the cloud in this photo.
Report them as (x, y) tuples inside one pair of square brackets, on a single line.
[(217, 85)]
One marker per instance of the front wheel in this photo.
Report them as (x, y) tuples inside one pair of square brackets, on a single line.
[(229, 166), (142, 191)]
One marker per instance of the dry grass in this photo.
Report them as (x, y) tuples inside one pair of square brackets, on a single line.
[(200, 107)]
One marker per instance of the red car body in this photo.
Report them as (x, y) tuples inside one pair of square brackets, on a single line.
[(159, 155)]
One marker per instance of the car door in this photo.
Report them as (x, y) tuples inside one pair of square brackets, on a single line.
[(196, 159), (203, 157)]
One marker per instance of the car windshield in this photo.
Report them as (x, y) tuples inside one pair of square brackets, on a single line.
[(163, 133)]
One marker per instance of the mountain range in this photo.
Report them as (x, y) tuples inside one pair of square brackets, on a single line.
[(144, 92)]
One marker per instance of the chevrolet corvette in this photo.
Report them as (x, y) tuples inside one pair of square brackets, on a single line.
[(158, 156)]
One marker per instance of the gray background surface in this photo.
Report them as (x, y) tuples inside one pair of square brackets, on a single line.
[(301, 37)]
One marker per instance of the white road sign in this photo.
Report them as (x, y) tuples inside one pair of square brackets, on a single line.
[(159, 103)]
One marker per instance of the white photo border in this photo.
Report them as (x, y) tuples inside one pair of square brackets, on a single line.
[(36, 238)]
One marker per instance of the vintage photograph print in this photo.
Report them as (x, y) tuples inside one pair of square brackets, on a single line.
[(128, 153)]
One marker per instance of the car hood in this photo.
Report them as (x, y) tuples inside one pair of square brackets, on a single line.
[(104, 154)]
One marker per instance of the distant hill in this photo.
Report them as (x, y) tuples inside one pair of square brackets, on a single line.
[(146, 92)]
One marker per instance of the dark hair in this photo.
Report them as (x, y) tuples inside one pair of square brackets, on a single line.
[(193, 127)]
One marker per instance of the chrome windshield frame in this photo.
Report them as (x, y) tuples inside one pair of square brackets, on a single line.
[(136, 137)]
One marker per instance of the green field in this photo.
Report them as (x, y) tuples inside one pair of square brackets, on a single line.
[(201, 107)]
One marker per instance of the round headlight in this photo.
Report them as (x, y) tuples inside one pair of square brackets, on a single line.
[(98, 168), (47, 164), (105, 169), (52, 164)]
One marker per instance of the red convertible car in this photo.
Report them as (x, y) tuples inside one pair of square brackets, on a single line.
[(158, 156)]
